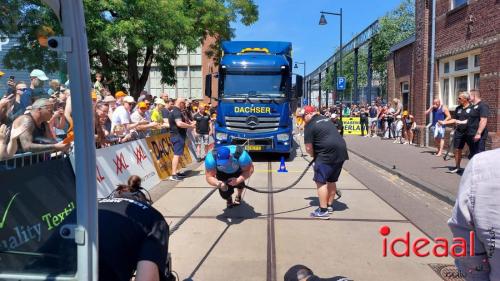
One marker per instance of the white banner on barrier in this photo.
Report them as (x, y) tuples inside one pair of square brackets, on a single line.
[(115, 164)]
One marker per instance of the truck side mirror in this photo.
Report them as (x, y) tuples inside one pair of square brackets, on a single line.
[(208, 85), (299, 86)]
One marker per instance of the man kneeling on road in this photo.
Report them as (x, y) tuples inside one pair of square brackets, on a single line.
[(323, 141), (227, 167)]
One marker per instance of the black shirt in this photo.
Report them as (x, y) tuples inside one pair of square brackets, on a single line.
[(329, 147), (461, 114), (176, 114), (363, 115), (479, 110), (202, 123), (130, 231)]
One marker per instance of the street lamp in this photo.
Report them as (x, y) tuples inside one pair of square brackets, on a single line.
[(303, 80), (322, 21)]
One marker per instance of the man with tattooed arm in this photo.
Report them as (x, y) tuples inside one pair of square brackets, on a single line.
[(37, 137)]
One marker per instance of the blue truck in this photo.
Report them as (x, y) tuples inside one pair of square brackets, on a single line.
[(255, 96)]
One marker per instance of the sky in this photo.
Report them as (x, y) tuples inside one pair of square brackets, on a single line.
[(296, 21)]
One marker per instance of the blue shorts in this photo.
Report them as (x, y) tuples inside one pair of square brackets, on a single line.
[(178, 144), (439, 131), (324, 172)]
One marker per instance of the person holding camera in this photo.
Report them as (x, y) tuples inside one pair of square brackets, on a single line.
[(227, 168), (133, 236)]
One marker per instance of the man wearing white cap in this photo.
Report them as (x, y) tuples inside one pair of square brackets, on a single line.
[(35, 91), (121, 124)]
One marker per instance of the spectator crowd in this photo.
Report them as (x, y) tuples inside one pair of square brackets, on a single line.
[(35, 116), (467, 123)]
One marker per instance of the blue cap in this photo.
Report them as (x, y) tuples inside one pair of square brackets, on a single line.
[(223, 155)]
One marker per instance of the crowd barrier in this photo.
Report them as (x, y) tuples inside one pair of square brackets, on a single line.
[(34, 201), (149, 158)]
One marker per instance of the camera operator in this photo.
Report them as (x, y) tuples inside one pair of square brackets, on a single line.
[(133, 236)]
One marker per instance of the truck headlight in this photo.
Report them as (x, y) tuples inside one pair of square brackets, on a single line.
[(221, 136), (283, 137)]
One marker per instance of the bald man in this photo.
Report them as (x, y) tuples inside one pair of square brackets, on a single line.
[(178, 134)]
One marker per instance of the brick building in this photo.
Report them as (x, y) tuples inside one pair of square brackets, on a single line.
[(467, 56), (400, 69)]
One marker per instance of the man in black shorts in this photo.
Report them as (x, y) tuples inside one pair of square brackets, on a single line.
[(462, 114), (323, 141), (178, 134), (203, 131), (477, 133)]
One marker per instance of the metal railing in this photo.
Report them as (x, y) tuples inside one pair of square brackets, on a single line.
[(29, 158)]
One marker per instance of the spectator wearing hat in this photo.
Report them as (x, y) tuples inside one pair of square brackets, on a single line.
[(37, 137), (157, 113), (35, 91), (227, 168), (119, 96), (326, 145), (111, 102), (409, 127), (121, 124), (141, 118)]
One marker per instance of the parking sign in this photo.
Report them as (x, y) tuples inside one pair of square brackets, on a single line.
[(341, 83)]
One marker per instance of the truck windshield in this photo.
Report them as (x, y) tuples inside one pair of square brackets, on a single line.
[(254, 85)]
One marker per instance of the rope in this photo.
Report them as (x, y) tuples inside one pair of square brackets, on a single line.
[(260, 190)]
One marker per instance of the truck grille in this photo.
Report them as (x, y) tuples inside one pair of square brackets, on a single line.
[(252, 124)]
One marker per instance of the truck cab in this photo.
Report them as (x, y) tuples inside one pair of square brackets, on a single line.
[(255, 97)]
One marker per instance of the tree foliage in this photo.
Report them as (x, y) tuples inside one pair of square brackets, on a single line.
[(395, 26), (139, 34)]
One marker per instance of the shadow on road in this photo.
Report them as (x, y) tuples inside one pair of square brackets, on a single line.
[(337, 205)]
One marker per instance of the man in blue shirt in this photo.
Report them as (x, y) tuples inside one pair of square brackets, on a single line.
[(227, 167)]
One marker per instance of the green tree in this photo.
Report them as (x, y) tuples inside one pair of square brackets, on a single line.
[(395, 26), (139, 33)]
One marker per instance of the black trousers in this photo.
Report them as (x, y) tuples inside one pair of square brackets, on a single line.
[(364, 126), (230, 189)]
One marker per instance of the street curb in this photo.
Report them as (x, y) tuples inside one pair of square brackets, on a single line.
[(427, 187)]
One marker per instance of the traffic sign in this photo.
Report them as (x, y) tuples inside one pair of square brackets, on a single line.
[(341, 83), (304, 102)]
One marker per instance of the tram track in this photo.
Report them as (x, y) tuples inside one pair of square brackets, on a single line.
[(271, 237)]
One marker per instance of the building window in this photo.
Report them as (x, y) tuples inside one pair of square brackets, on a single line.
[(458, 3), (476, 61), (447, 67), (405, 93), (461, 64), (456, 74), (446, 91), (460, 85), (476, 81)]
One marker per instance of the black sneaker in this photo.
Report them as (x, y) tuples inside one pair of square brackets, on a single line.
[(175, 178), (182, 175)]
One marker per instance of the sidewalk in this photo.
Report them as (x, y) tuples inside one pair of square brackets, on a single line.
[(414, 164)]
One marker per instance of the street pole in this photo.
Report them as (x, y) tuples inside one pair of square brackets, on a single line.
[(304, 80)]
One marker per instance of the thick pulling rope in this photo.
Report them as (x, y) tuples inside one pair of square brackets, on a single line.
[(261, 189)]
